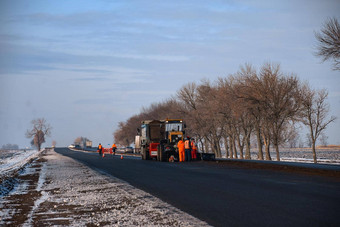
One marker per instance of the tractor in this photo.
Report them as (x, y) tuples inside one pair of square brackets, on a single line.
[(158, 139)]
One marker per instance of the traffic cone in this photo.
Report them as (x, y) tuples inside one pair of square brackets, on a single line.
[(121, 157)]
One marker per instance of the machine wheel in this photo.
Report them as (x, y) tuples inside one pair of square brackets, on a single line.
[(162, 156), (159, 153)]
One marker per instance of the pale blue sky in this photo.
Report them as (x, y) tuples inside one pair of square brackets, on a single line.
[(86, 65)]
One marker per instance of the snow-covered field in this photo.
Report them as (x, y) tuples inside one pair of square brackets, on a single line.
[(305, 155), (56, 190), (12, 160)]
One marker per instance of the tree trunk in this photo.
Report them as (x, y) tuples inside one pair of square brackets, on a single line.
[(314, 152), (259, 143), (240, 146), (231, 147), (219, 149), (217, 146), (226, 147), (266, 141), (248, 147), (268, 157), (234, 147), (206, 145), (213, 148), (277, 152), (200, 146)]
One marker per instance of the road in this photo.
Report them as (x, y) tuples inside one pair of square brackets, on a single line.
[(227, 195)]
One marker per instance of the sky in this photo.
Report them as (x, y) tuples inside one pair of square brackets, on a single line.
[(85, 66)]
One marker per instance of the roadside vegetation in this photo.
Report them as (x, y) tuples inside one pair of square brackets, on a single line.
[(268, 105), (40, 129), (10, 147)]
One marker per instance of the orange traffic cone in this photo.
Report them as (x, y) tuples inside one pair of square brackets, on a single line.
[(121, 156)]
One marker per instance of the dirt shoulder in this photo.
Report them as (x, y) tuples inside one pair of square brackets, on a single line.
[(324, 170), (56, 190)]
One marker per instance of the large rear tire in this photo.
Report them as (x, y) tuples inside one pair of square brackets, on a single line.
[(144, 154), (162, 155), (159, 152)]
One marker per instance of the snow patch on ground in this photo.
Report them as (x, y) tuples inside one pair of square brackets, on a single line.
[(106, 199), (304, 155), (43, 198), (15, 159)]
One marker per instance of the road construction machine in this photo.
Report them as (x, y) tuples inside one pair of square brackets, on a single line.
[(158, 139)]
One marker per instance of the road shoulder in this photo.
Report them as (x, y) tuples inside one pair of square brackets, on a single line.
[(57, 190)]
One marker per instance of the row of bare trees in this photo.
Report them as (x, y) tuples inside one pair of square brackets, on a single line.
[(267, 104), (126, 132)]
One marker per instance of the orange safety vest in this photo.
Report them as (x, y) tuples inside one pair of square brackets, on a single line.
[(114, 146), (193, 145), (100, 147), (187, 144)]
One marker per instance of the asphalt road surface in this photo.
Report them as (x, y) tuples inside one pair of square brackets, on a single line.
[(228, 195)]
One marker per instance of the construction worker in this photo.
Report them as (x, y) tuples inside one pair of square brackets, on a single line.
[(187, 146), (100, 149), (114, 147), (181, 150), (193, 149)]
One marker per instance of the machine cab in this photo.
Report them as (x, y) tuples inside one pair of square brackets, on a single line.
[(174, 129)]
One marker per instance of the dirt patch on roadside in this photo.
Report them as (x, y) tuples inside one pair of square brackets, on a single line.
[(15, 207), (334, 174)]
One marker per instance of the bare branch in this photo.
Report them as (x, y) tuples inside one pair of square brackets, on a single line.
[(329, 42), (40, 129)]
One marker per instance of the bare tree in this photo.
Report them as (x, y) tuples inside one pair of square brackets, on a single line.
[(228, 113), (281, 100), (78, 140), (323, 139), (126, 132), (329, 42), (40, 129), (249, 94), (315, 110), (239, 118), (10, 147), (272, 99), (309, 141), (301, 144), (292, 136)]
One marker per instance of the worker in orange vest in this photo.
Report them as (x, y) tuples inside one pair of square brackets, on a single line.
[(181, 150), (193, 149), (187, 146), (114, 147), (100, 149)]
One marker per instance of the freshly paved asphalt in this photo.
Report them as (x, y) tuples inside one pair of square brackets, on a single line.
[(228, 195)]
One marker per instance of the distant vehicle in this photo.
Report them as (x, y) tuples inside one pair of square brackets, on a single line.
[(129, 150), (71, 146), (82, 143), (88, 143)]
